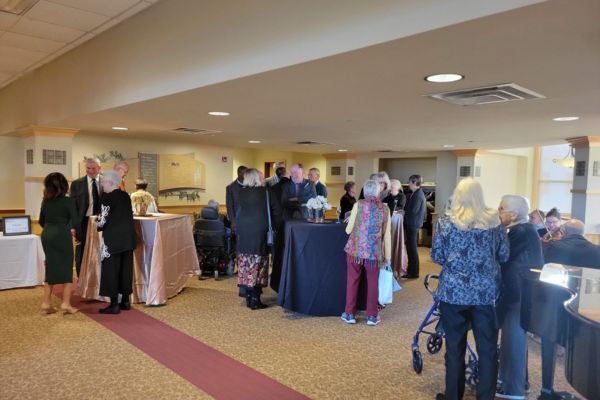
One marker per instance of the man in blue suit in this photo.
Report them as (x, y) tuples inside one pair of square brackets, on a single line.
[(296, 193), (573, 249), (315, 175)]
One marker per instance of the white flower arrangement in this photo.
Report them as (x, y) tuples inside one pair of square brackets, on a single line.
[(318, 203)]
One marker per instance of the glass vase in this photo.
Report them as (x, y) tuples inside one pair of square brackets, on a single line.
[(319, 216)]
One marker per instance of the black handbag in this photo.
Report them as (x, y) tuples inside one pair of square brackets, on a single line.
[(270, 232)]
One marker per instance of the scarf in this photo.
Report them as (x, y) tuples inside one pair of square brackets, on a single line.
[(365, 244)]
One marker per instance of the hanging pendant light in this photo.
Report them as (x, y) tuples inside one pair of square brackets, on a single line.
[(568, 161)]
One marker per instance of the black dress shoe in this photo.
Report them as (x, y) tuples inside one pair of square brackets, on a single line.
[(440, 396), (110, 310), (249, 301), (256, 304), (125, 304), (407, 276)]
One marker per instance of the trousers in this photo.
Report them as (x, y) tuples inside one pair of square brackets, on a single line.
[(117, 274), (456, 320), (352, 284), (411, 235), (513, 352)]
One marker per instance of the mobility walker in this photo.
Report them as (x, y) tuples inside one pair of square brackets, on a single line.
[(436, 338)]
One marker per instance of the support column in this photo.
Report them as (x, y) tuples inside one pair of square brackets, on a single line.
[(47, 150), (465, 163), (585, 203), (340, 168)]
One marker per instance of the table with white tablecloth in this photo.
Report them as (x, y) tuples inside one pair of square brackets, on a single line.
[(21, 261), (164, 258)]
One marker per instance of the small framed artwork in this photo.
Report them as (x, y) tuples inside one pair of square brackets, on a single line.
[(17, 225), (336, 171)]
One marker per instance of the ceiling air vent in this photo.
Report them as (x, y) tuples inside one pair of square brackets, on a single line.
[(311, 143), (488, 95), (196, 131)]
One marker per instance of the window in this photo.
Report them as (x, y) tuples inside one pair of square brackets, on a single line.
[(56, 157)]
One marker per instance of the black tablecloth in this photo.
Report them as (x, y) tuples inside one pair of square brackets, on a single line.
[(313, 276)]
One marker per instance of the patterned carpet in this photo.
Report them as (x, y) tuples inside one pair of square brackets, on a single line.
[(73, 357)]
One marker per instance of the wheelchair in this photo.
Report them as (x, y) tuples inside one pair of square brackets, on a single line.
[(214, 245)]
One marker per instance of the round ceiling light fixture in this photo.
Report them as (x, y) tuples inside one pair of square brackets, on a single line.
[(119, 128), (565, 119), (444, 78), (448, 146), (254, 141), (342, 150), (219, 113)]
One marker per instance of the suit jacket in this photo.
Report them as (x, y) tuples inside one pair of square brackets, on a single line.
[(80, 194), (116, 223), (321, 189), (232, 196), (291, 208), (525, 251), (396, 202), (574, 250), (415, 209)]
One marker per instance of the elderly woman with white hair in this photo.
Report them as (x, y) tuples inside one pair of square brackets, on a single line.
[(252, 222), (115, 221), (525, 253), (396, 199), (369, 247), (469, 244)]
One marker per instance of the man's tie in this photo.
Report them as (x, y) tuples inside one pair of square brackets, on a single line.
[(95, 198)]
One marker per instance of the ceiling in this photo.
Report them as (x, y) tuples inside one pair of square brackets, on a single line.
[(52, 27), (374, 98)]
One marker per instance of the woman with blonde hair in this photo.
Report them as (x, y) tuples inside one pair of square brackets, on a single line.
[(252, 222), (469, 244)]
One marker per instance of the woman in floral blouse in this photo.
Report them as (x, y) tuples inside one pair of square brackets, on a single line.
[(469, 244), (368, 247)]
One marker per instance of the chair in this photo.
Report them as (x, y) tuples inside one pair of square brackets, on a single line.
[(212, 242)]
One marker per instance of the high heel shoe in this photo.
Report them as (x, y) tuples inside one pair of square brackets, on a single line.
[(69, 309)]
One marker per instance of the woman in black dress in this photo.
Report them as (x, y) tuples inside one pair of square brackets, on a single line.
[(58, 217), (118, 242), (252, 224), (348, 199)]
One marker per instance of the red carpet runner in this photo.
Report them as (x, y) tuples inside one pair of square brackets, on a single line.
[(210, 370)]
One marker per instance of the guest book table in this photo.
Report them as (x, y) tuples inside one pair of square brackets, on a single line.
[(313, 276), (164, 258), (21, 261)]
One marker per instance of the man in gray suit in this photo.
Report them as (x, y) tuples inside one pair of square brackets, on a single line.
[(86, 192)]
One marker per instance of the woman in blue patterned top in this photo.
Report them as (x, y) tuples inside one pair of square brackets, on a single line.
[(469, 244)]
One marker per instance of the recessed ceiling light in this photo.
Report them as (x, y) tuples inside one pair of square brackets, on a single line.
[(254, 141), (442, 78), (219, 113), (448, 146), (565, 119), (342, 150), (119, 128)]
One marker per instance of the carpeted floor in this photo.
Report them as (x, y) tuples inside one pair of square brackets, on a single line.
[(74, 357)]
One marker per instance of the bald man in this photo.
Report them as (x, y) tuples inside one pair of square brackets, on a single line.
[(574, 249)]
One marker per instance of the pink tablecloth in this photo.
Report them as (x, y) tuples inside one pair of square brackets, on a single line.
[(164, 258)]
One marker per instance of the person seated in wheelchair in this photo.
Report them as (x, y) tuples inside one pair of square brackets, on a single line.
[(212, 234)]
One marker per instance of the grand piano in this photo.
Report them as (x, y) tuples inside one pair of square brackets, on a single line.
[(561, 305)]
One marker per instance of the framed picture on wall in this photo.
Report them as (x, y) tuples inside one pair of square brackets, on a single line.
[(17, 225)]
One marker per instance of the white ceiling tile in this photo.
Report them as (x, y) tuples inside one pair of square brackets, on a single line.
[(82, 39), (65, 16), (133, 10), (45, 30), (109, 8), (13, 60), (20, 41), (7, 20), (106, 26)]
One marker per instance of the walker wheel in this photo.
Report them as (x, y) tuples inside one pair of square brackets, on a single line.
[(417, 361), (434, 343)]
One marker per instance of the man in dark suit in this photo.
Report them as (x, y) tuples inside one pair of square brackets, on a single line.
[(315, 175), (295, 194), (86, 192), (414, 214), (232, 195), (573, 249)]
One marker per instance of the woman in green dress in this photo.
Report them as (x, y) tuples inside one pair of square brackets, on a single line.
[(58, 218)]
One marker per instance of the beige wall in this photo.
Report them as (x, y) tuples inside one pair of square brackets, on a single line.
[(12, 172), (498, 176)]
